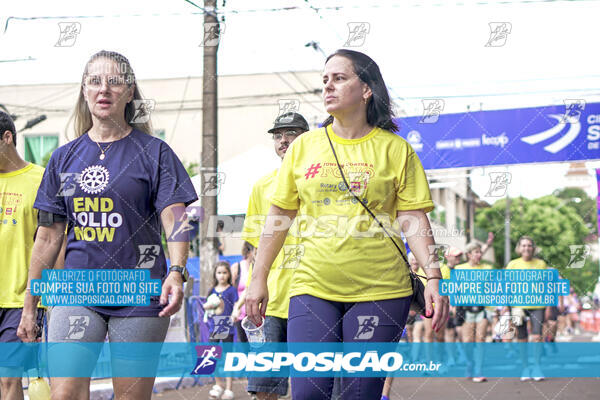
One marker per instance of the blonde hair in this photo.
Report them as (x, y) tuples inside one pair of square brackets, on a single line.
[(81, 118), (472, 246)]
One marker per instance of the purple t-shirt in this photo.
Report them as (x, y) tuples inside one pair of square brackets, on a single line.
[(113, 205), (230, 297)]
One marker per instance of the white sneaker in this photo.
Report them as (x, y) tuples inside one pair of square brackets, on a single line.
[(215, 392), (227, 395), (525, 375), (537, 374)]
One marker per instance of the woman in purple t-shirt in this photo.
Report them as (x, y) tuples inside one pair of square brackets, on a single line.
[(113, 189)]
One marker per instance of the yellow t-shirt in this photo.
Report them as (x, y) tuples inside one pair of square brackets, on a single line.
[(18, 222), (478, 266), (444, 269), (280, 275), (469, 266), (341, 261), (534, 263)]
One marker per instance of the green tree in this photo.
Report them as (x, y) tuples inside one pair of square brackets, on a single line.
[(191, 168), (553, 225), (582, 204)]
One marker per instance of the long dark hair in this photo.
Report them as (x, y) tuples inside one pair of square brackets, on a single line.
[(217, 265), (379, 108)]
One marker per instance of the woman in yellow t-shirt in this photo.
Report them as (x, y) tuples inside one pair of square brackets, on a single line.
[(351, 285), (474, 328)]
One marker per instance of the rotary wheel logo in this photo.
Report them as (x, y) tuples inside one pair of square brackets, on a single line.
[(94, 179)]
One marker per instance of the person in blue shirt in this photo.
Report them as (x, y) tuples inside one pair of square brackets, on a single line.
[(112, 189), (222, 297)]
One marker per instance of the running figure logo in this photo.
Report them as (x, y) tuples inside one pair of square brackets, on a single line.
[(212, 34), (143, 108), (292, 254), (182, 229), (207, 359), (68, 183), (578, 255), (212, 182), (287, 106), (573, 109), (498, 34), (68, 33), (366, 326), (357, 33), (436, 254), (222, 327), (77, 326), (498, 184), (432, 108), (148, 255), (505, 327)]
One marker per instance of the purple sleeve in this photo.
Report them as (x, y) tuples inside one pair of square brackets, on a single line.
[(230, 297), (234, 294), (48, 198), (173, 183)]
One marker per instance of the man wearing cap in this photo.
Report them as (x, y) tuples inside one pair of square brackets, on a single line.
[(286, 129)]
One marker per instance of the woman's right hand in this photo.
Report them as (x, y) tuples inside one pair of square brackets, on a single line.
[(257, 297), (28, 328)]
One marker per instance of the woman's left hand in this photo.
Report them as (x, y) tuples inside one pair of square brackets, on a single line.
[(172, 286), (440, 311)]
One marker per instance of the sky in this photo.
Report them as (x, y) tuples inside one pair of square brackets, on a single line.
[(433, 49)]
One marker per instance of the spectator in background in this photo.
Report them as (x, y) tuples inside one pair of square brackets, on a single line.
[(536, 314), (220, 243), (220, 326), (474, 328), (240, 273), (287, 128)]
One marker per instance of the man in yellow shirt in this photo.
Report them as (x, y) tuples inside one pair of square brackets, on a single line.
[(19, 182), (536, 314), (286, 129)]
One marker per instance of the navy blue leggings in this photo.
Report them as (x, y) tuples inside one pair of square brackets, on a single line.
[(312, 319)]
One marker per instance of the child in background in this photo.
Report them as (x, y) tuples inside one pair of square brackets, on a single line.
[(220, 325)]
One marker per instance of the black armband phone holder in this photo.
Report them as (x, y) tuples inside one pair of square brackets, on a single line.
[(46, 218)]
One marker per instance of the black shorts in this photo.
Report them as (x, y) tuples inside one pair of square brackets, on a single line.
[(459, 317), (536, 316), (554, 313)]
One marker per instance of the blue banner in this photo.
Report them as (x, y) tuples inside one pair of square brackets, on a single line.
[(526, 135), (101, 360)]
